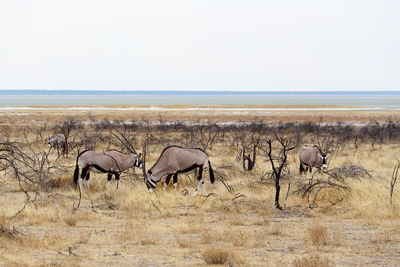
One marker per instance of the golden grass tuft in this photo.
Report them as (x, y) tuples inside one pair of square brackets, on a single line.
[(214, 255), (318, 235), (71, 220), (147, 241), (312, 261)]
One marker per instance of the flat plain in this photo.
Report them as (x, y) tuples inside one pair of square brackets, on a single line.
[(348, 217)]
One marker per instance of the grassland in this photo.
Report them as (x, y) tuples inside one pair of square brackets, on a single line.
[(240, 227)]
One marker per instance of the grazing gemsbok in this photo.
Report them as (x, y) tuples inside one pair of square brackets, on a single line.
[(111, 162), (174, 160), (312, 156), (58, 141)]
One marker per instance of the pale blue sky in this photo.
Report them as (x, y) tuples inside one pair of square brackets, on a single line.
[(200, 45)]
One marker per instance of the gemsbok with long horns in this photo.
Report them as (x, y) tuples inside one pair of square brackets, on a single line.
[(111, 162), (174, 160), (312, 156), (58, 141)]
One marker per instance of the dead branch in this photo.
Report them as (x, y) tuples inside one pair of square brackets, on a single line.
[(155, 205), (393, 181), (227, 186), (238, 195)]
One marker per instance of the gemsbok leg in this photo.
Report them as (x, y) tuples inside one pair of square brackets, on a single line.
[(109, 177), (167, 181), (87, 178), (83, 175), (117, 178), (175, 181)]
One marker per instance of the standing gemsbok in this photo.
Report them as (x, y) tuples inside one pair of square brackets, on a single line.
[(58, 141), (111, 162), (312, 156), (174, 160)]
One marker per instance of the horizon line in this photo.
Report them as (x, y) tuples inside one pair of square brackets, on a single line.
[(144, 91)]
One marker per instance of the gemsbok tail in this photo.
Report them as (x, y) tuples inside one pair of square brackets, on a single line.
[(76, 172), (212, 178)]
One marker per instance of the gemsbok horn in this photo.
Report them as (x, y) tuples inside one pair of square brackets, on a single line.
[(174, 160), (111, 162), (312, 156)]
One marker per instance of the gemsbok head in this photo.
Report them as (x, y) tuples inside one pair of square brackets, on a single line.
[(312, 156), (112, 162), (58, 141), (174, 160)]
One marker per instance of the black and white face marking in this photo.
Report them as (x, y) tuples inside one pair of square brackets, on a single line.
[(150, 184), (324, 164), (138, 163)]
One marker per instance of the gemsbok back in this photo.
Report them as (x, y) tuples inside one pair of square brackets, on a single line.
[(312, 156), (174, 160), (111, 162)]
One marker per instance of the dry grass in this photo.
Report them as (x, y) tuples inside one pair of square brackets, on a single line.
[(386, 237), (277, 229), (216, 255), (338, 238), (7, 231), (131, 226), (312, 261), (318, 235), (184, 243), (71, 220)]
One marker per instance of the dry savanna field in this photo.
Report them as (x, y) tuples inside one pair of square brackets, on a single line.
[(344, 216)]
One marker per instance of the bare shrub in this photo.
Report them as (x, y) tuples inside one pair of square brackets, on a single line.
[(324, 189), (351, 171), (279, 164)]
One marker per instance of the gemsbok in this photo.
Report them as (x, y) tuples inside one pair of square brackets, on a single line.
[(174, 160), (58, 141), (111, 162), (312, 156)]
